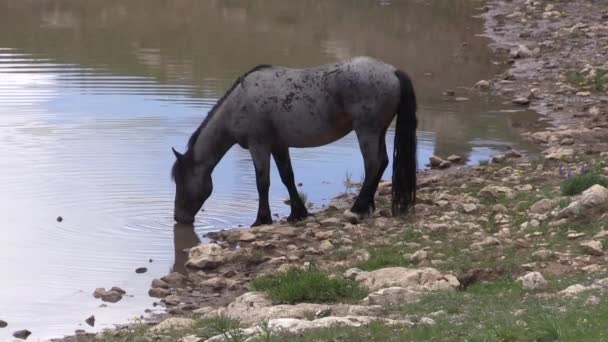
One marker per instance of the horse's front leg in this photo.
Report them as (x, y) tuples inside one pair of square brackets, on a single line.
[(281, 158), (261, 160)]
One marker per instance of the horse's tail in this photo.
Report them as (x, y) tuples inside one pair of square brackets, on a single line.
[(404, 154)]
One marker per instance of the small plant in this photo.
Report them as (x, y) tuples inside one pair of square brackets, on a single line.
[(484, 162), (348, 183), (577, 184), (227, 327), (595, 78), (312, 286), (383, 256)]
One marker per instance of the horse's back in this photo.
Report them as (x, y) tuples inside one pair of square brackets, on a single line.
[(318, 105)]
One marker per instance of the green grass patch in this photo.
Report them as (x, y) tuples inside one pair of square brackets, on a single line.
[(597, 82), (577, 184), (384, 256), (312, 286)]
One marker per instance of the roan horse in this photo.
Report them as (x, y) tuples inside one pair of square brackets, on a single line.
[(272, 108)]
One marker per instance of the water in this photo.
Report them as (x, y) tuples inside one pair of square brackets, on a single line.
[(94, 93)]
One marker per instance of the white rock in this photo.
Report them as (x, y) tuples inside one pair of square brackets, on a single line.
[(423, 279), (533, 281), (173, 323), (206, 256)]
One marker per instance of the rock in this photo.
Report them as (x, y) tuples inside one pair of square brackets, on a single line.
[(592, 247), (461, 98), (435, 161), (141, 270), (583, 93), (171, 300), (174, 279), (494, 191), (567, 141), (22, 334), (488, 241), (449, 92), (246, 236), (98, 292), (173, 323), (543, 255), (291, 326), (191, 338), (469, 208), (90, 321), (499, 158), (426, 321), (565, 154), (423, 279), (360, 255), (111, 296), (533, 281), (573, 290), (593, 199), (419, 256), (522, 51), (601, 234), (253, 307), (445, 164), (573, 236), (592, 300), (59, 219), (3, 324), (351, 273), (118, 290), (482, 85), (499, 208), (392, 296), (543, 206), (331, 222), (454, 158), (522, 101), (157, 283), (325, 246), (219, 283), (158, 292), (206, 256)]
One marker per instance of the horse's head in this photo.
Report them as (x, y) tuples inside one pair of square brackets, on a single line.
[(192, 187)]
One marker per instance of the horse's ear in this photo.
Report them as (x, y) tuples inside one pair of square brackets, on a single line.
[(178, 155)]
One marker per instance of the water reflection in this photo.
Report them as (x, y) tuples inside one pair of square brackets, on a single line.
[(184, 237)]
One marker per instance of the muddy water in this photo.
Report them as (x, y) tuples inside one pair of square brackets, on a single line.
[(94, 93)]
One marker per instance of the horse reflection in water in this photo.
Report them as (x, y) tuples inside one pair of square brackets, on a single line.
[(184, 238), (272, 108)]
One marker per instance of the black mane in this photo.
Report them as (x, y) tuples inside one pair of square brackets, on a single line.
[(196, 133)]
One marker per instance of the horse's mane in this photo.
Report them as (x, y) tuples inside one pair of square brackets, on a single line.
[(214, 109)]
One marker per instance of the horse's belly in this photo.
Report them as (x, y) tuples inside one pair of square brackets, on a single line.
[(314, 134)]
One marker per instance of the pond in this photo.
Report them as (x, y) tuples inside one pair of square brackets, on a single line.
[(93, 94)]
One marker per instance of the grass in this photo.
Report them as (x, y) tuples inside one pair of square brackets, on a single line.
[(597, 82), (384, 256), (311, 286), (579, 183)]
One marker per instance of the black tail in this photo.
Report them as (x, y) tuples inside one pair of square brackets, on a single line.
[(404, 154)]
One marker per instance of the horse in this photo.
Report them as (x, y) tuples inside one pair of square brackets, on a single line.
[(270, 108)]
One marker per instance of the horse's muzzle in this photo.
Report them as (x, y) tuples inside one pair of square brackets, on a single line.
[(183, 220)]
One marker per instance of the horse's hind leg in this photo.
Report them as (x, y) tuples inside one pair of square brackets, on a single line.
[(281, 158), (375, 159), (261, 160)]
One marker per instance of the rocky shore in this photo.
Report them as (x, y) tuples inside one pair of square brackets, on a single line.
[(496, 245)]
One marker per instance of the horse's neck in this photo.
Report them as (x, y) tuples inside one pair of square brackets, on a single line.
[(211, 145)]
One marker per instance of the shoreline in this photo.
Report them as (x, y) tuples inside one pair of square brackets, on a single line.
[(453, 207)]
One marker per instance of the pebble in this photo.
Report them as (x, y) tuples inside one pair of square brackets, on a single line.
[(3, 324), (22, 334), (91, 320), (141, 270)]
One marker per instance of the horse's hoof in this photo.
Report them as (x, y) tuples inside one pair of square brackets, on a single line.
[(297, 217), (353, 217), (262, 222)]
